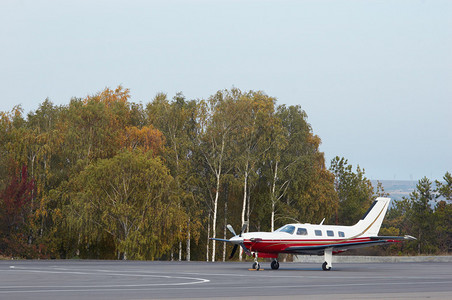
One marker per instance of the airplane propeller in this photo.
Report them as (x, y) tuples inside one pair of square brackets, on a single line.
[(231, 229), (234, 249)]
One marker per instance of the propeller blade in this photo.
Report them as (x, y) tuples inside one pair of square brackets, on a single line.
[(233, 251), (231, 229), (243, 229), (246, 250)]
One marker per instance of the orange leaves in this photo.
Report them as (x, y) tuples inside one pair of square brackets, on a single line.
[(314, 140), (146, 138), (108, 96)]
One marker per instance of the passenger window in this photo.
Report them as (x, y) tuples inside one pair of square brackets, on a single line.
[(302, 231), (329, 233), (341, 234), (318, 232)]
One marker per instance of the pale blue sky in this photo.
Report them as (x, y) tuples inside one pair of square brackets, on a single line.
[(375, 77)]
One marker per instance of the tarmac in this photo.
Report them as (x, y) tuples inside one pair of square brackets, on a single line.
[(372, 259), (86, 279)]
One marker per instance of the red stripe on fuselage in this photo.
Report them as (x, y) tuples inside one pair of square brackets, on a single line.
[(277, 246)]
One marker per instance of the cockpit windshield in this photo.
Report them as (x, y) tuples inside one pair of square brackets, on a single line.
[(287, 228)]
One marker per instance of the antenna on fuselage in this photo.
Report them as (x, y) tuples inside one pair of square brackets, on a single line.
[(321, 223)]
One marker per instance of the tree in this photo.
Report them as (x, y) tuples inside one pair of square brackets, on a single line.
[(355, 191), (128, 198), (176, 120), (217, 120), (443, 214), (15, 204), (445, 188), (421, 216), (255, 121), (94, 127), (443, 226)]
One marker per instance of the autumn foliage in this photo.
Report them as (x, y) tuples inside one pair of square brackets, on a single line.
[(104, 177), (16, 207)]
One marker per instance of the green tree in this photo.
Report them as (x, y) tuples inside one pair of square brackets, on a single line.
[(443, 214), (421, 216), (216, 121), (355, 191), (176, 120), (445, 188), (255, 121), (128, 198), (443, 226)]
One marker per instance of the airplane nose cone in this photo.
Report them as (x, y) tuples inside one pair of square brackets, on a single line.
[(236, 240)]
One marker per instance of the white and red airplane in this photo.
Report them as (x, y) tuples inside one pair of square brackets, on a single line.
[(314, 239)]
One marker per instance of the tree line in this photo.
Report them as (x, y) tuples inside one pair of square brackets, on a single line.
[(104, 177), (426, 214)]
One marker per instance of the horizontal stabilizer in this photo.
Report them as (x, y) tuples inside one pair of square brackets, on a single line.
[(406, 237)]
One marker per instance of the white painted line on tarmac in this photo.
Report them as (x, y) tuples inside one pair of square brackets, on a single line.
[(193, 280), (219, 288)]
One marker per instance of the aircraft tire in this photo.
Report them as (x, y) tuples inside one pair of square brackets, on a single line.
[(256, 266), (324, 267), (275, 265)]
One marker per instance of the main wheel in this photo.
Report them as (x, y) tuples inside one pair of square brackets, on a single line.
[(275, 265), (324, 267)]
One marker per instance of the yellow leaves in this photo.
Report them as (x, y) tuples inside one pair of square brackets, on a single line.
[(314, 140), (108, 96), (145, 138)]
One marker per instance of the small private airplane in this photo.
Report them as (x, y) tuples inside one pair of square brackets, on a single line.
[(311, 239)]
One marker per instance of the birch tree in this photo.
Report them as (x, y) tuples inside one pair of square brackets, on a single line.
[(251, 142), (217, 120), (176, 120)]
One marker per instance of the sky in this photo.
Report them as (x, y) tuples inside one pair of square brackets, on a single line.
[(374, 77)]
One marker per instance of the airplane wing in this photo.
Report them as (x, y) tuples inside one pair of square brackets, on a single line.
[(319, 249)]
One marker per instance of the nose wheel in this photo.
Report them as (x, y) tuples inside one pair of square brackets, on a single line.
[(256, 266)]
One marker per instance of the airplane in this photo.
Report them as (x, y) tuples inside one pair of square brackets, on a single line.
[(313, 239)]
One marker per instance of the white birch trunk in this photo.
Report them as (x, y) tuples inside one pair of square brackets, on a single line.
[(208, 241), (244, 205), (188, 240), (215, 208), (275, 177), (180, 250), (217, 193), (224, 228), (224, 244)]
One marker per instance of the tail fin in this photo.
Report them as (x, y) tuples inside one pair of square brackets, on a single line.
[(370, 223)]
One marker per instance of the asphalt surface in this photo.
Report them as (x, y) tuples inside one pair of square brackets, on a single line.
[(81, 279)]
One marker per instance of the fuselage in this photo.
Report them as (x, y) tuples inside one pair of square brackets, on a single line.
[(299, 235)]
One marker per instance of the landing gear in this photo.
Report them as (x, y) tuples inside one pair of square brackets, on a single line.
[(274, 264), (326, 266), (256, 265)]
